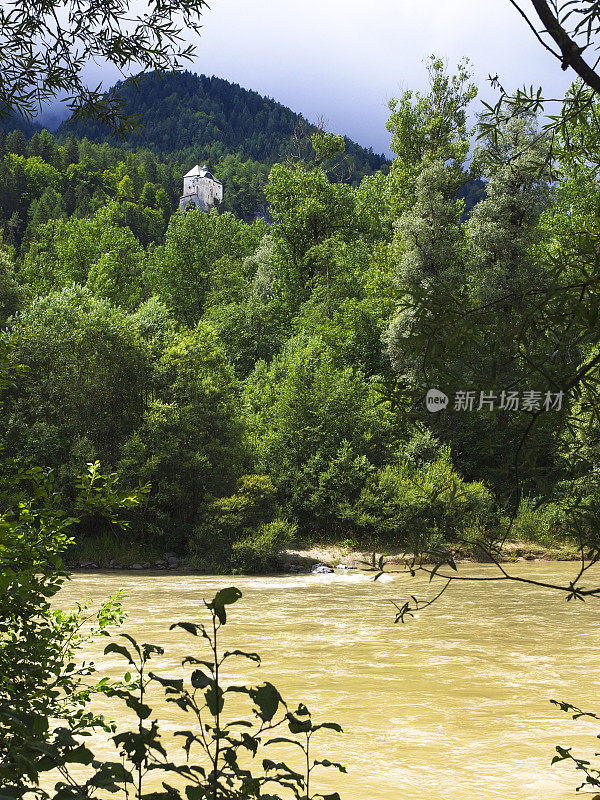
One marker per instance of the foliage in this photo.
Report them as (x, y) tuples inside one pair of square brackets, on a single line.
[(539, 522), (200, 119), (430, 128), (86, 372), (344, 428), (231, 519), (259, 552), (36, 70), (44, 179), (220, 751), (10, 291), (94, 251), (44, 694), (210, 346), (190, 443), (160, 404), (309, 211), (182, 271), (420, 507)]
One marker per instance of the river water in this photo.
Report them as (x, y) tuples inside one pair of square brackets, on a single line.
[(454, 704)]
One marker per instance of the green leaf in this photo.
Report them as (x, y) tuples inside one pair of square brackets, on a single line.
[(223, 598), (192, 660), (175, 685), (267, 698), (326, 763), (110, 773), (149, 649), (196, 792), (80, 755), (285, 740), (199, 680), (298, 725), (133, 642), (332, 726), (113, 647), (190, 627), (250, 656), (142, 710), (214, 699)]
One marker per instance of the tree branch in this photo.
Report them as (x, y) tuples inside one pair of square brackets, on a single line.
[(570, 51), (531, 25)]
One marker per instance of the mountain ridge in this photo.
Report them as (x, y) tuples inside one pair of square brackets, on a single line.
[(202, 118)]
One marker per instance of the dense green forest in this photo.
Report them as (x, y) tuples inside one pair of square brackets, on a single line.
[(266, 381), (206, 118), (195, 119), (396, 355)]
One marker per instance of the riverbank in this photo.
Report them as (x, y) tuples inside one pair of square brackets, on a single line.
[(302, 559), (395, 557)]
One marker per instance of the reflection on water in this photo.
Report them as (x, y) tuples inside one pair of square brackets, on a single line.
[(454, 704)]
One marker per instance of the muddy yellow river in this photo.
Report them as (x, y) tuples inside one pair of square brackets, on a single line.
[(455, 704)]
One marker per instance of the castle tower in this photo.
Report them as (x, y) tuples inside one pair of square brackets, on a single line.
[(201, 189)]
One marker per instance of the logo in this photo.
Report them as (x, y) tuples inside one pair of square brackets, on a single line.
[(436, 400), (530, 401)]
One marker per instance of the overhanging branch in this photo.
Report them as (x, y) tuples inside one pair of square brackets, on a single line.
[(570, 51)]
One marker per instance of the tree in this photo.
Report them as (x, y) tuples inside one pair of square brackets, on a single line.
[(430, 128), (542, 312), (35, 68), (94, 251), (182, 271), (569, 33), (309, 211), (345, 429), (44, 693), (11, 294), (83, 390), (191, 442), (568, 43)]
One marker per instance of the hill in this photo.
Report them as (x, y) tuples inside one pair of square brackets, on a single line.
[(11, 124), (200, 118)]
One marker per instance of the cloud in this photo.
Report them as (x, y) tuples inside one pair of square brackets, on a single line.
[(343, 61)]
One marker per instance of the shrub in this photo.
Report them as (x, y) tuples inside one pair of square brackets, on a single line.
[(232, 519), (259, 552), (422, 447), (221, 758), (44, 694), (420, 506), (537, 523)]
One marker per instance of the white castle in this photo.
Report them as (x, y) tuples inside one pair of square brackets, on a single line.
[(200, 188)]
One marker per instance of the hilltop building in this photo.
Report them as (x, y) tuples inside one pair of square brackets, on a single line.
[(200, 188)]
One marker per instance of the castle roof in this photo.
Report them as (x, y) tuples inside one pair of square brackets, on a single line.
[(200, 172)]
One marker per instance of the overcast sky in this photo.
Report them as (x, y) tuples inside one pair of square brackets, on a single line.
[(343, 59)]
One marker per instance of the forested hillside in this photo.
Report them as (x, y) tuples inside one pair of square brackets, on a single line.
[(206, 118), (268, 381), (15, 123), (195, 119), (42, 180)]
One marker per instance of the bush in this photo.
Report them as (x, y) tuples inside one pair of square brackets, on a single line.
[(319, 428), (537, 523), (232, 519), (421, 506), (259, 552), (422, 447)]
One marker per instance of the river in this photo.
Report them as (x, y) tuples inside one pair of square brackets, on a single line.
[(454, 704)]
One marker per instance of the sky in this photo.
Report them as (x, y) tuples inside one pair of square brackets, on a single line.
[(342, 60)]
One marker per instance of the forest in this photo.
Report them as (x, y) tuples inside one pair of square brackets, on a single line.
[(261, 376), (397, 357)]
